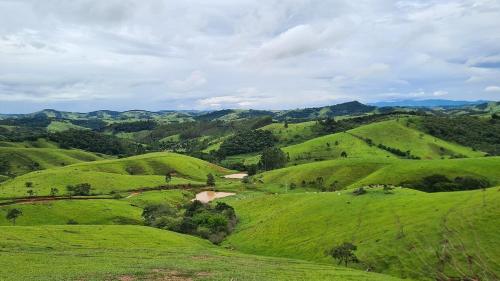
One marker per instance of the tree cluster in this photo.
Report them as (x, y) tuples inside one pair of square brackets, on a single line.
[(196, 218), (247, 141), (441, 183)]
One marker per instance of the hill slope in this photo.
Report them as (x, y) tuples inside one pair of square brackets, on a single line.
[(396, 134), (105, 176), (24, 160), (359, 172), (140, 253), (407, 233)]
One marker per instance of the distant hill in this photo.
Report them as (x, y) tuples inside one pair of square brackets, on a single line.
[(427, 103)]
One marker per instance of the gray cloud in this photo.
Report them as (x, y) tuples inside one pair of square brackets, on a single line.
[(121, 54)]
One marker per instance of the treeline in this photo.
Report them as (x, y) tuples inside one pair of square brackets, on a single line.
[(38, 120), (247, 141), (129, 127), (91, 141), (480, 134), (195, 129), (441, 183)]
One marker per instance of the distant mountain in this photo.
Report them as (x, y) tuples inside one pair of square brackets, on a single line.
[(427, 103)]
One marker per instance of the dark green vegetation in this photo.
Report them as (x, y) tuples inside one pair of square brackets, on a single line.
[(343, 192), (196, 218)]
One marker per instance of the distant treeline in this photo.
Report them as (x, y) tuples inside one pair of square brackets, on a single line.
[(479, 133)]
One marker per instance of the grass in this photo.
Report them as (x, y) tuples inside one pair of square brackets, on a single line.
[(401, 234), (24, 160), (94, 211), (331, 147), (295, 133), (140, 253), (173, 197), (359, 172), (396, 134), (58, 126), (143, 171)]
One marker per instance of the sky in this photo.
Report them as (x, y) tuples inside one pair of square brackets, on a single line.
[(85, 55)]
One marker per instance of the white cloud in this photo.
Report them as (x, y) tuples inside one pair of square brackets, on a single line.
[(492, 89)]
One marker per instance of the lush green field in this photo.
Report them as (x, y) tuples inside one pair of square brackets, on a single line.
[(141, 253), (331, 147), (295, 133), (396, 134), (144, 171), (39, 143), (58, 126), (359, 172), (407, 233), (24, 160), (93, 211)]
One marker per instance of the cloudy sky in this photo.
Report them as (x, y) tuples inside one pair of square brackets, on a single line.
[(83, 55)]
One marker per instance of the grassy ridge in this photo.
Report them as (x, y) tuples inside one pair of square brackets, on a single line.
[(143, 171), (331, 147), (97, 211), (22, 160), (359, 172), (141, 253), (396, 134), (398, 234)]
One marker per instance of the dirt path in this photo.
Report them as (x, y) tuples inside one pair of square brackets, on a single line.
[(46, 199)]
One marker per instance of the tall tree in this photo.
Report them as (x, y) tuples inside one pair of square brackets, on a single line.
[(272, 158), (13, 214)]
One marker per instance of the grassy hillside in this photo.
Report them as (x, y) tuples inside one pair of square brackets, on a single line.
[(57, 126), (39, 143), (140, 253), (331, 147), (136, 172), (294, 133), (97, 211), (24, 160), (396, 134), (407, 233), (359, 172)]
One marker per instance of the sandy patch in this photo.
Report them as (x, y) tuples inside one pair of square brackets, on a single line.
[(207, 196), (237, 176)]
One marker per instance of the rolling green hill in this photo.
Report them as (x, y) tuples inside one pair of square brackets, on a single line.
[(408, 233), (396, 134), (359, 172), (294, 133), (95, 211), (24, 160), (143, 171), (94, 253)]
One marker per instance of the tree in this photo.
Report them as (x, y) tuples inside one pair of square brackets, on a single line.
[(28, 184), (54, 191), (252, 169), (272, 158), (168, 177), (4, 166), (82, 189), (286, 123), (343, 154), (344, 253), (13, 214), (30, 192), (210, 180)]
